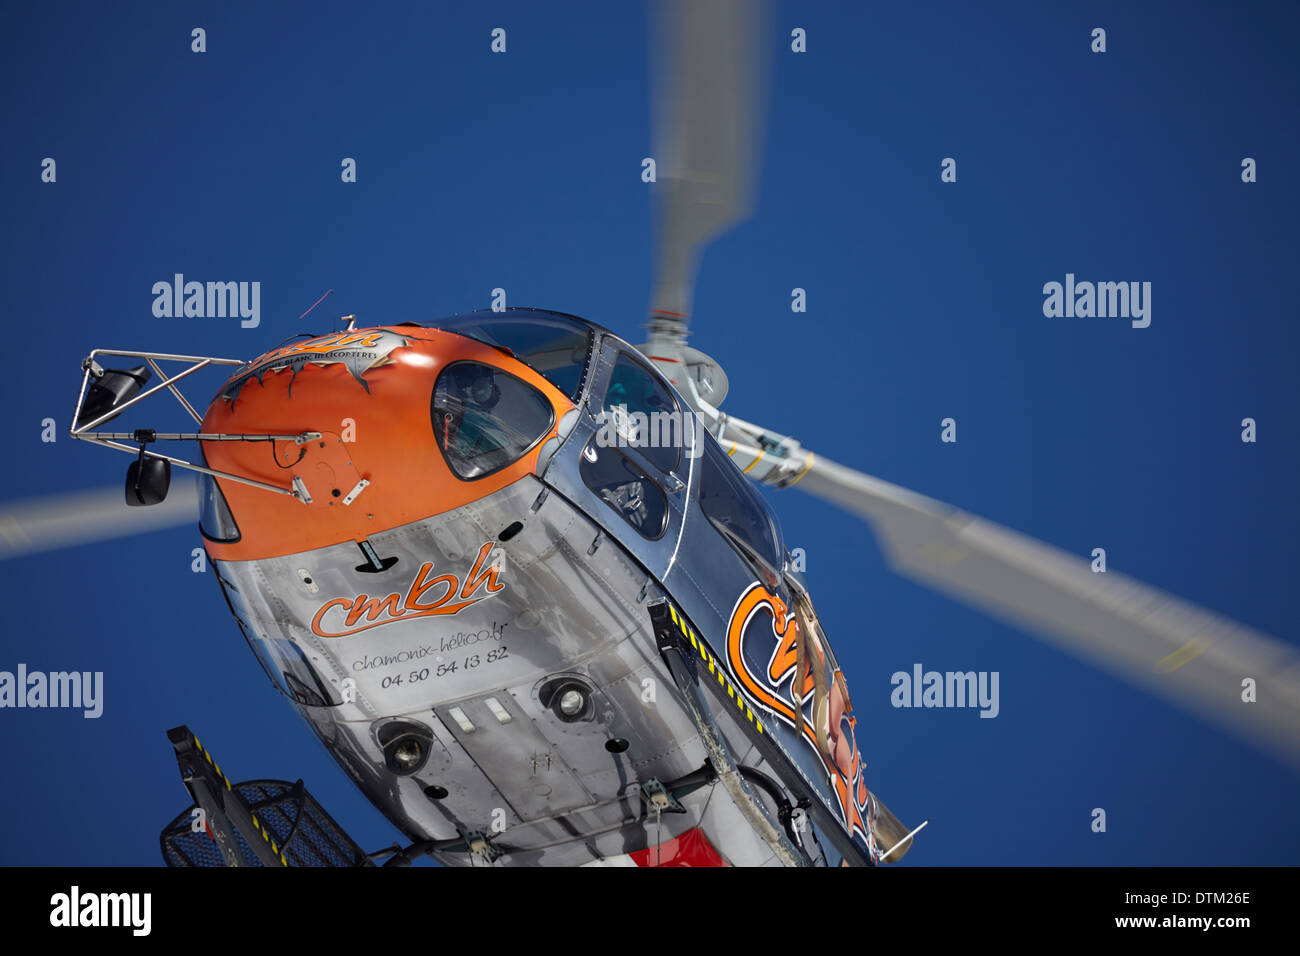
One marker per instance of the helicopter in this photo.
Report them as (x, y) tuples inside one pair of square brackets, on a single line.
[(584, 560), (521, 674)]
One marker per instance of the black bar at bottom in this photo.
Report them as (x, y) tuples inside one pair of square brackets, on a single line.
[(902, 903)]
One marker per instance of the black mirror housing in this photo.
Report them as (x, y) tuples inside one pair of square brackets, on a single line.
[(147, 481)]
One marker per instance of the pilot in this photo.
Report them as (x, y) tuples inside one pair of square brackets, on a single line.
[(477, 384), (467, 390)]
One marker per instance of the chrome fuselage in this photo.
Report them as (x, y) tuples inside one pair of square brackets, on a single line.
[(671, 616)]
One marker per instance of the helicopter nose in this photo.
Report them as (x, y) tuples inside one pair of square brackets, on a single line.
[(409, 423)]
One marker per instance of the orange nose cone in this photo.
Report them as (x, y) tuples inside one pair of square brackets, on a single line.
[(369, 393)]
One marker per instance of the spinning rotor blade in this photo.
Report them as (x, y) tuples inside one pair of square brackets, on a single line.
[(1148, 637), (45, 524), (709, 68), (1142, 634), (709, 64)]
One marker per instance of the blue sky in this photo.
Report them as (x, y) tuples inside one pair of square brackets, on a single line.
[(522, 171)]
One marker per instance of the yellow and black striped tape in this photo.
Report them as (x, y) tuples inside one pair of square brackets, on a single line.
[(256, 822), (715, 668)]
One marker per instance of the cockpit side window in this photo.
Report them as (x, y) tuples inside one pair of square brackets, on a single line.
[(623, 485), (641, 413), (216, 523), (735, 509), (303, 683), (284, 662), (485, 419)]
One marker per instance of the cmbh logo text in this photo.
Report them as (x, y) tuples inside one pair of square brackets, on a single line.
[(948, 689), (208, 300), (75, 908)]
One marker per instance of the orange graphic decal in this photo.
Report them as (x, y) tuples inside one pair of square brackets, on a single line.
[(358, 351), (763, 627)]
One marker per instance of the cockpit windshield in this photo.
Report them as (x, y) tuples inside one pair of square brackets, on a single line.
[(554, 345)]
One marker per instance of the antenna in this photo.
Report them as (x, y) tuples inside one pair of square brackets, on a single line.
[(316, 303), (885, 856)]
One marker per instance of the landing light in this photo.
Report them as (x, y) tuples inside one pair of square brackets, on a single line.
[(572, 702), (406, 745), (407, 754), (568, 698)]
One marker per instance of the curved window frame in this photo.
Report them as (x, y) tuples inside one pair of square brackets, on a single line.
[(752, 500), (496, 369), (622, 354)]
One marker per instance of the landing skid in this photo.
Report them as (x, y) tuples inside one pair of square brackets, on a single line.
[(260, 822)]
